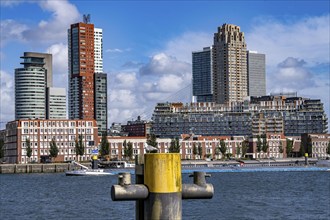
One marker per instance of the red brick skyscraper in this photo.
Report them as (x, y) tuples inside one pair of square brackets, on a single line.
[(81, 70)]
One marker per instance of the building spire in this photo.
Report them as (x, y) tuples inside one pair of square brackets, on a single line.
[(87, 18)]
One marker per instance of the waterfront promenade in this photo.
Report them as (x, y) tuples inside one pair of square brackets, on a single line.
[(211, 166)]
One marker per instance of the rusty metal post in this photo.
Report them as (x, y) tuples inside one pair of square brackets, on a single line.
[(162, 176)]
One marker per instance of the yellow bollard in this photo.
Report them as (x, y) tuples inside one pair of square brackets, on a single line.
[(162, 176)]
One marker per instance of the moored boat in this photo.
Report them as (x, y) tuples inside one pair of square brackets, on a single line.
[(89, 172)]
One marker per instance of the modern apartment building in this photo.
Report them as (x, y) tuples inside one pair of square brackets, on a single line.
[(98, 50), (41, 132), (256, 70), (170, 120), (56, 103), (202, 75), (100, 99), (230, 79), (30, 88), (81, 71), (291, 116)]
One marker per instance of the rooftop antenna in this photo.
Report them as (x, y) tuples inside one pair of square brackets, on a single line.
[(87, 18)]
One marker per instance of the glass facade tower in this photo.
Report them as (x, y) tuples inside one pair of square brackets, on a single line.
[(202, 75)]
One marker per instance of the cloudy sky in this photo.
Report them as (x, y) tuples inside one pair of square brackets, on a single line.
[(147, 45)]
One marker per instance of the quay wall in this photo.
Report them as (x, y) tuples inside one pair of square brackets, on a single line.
[(38, 168)]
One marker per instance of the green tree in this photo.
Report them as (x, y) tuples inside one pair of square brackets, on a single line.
[(53, 152), (289, 147), (104, 151), (175, 146), (309, 145), (125, 149), (129, 150), (238, 150), (280, 147), (223, 148), (302, 149), (245, 146), (305, 145), (264, 144), (152, 141), (217, 151), (79, 146), (328, 149), (259, 145), (195, 150), (28, 148), (2, 148), (200, 150)]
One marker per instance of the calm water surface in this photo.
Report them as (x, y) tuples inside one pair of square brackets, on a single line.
[(259, 195)]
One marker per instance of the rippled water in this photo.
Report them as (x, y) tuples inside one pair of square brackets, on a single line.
[(259, 195)]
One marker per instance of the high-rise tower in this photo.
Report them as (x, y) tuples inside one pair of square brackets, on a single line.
[(202, 75), (101, 108), (230, 80), (87, 82), (81, 70), (256, 73)]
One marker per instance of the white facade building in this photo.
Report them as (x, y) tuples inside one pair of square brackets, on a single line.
[(41, 132), (98, 50)]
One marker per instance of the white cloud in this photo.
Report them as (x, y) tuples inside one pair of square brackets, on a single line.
[(7, 98), (54, 29), (135, 94), (60, 64), (122, 98), (116, 50), (306, 39), (182, 46), (170, 83), (11, 30), (124, 80), (162, 64), (11, 3), (291, 74)]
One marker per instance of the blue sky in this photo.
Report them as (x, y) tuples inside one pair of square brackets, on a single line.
[(148, 45)]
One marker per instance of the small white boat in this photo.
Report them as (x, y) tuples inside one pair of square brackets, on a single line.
[(85, 171), (116, 164), (88, 172)]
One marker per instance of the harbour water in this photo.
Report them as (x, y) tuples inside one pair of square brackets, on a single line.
[(251, 195)]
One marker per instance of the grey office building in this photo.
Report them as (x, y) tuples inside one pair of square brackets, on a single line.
[(48, 65), (202, 75), (100, 102), (256, 73), (56, 103)]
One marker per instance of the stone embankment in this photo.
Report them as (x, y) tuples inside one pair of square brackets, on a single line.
[(39, 168)]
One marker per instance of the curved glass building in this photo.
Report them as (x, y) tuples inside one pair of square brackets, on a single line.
[(30, 89)]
